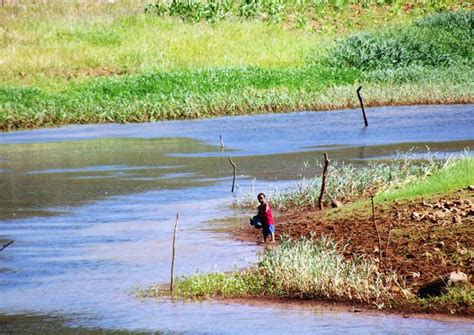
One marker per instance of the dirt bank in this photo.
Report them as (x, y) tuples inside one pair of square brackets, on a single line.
[(428, 237)]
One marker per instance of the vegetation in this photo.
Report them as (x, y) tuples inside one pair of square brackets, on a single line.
[(144, 67), (456, 300), (348, 182), (453, 177), (308, 268), (321, 268)]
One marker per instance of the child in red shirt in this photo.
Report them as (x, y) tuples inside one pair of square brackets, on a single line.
[(266, 215)]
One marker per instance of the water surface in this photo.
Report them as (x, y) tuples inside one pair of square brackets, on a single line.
[(92, 208)]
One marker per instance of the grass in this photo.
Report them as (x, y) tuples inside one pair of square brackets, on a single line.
[(347, 183), (455, 177), (308, 268), (136, 67), (456, 300), (317, 268)]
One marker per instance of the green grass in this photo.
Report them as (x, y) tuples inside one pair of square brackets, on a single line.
[(456, 300), (92, 63), (308, 268), (349, 183), (455, 177)]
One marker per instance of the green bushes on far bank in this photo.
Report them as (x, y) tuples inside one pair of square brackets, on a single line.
[(436, 41)]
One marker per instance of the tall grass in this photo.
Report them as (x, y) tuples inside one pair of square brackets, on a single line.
[(347, 182), (278, 10), (144, 68), (307, 268), (438, 40)]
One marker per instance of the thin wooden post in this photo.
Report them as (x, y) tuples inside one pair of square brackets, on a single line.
[(376, 229), (362, 106), (222, 143), (6, 245), (233, 179), (174, 254), (388, 242), (323, 185)]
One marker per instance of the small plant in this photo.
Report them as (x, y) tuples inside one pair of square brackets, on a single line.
[(250, 9)]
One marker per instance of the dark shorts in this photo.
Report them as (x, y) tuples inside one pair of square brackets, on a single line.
[(268, 230)]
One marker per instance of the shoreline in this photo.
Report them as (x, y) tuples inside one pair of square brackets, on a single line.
[(405, 308), (337, 306), (279, 110)]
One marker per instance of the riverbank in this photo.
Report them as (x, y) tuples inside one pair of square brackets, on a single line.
[(136, 68), (415, 241)]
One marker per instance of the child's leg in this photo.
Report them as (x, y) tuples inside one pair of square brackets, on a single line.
[(272, 231)]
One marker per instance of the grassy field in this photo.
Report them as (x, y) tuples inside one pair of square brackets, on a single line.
[(88, 62)]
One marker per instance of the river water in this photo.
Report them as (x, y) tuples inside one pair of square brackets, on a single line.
[(91, 210)]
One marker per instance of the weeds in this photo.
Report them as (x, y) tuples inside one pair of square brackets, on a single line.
[(273, 10), (347, 182), (307, 268)]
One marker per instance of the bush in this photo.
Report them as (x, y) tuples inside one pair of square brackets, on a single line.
[(437, 40)]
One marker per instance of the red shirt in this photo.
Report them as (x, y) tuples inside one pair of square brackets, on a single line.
[(266, 214)]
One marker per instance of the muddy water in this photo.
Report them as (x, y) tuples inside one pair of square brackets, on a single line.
[(91, 210)]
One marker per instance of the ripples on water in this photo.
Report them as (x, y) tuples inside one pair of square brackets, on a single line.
[(91, 210)]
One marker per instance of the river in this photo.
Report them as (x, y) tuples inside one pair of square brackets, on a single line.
[(91, 210)]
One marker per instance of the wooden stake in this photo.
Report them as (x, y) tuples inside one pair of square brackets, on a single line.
[(388, 242), (6, 245), (362, 106), (222, 143), (234, 167), (323, 185), (376, 229), (174, 253)]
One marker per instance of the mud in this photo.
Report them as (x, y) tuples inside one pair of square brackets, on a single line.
[(428, 237)]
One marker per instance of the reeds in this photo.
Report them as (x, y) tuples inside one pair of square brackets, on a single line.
[(307, 268), (347, 182)]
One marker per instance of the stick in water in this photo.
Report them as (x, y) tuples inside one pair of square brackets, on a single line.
[(222, 143), (362, 105), (323, 185), (233, 179), (174, 253), (6, 245)]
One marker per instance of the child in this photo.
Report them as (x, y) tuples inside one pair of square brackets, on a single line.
[(266, 215)]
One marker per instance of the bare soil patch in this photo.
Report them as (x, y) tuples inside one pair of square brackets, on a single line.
[(429, 237)]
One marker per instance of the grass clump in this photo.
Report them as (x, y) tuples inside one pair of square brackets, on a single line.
[(307, 268), (347, 182), (457, 300), (435, 41)]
